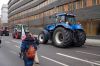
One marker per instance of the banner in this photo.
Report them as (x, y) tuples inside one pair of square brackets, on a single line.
[(23, 36)]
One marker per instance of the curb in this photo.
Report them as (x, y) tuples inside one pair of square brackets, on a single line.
[(93, 42)]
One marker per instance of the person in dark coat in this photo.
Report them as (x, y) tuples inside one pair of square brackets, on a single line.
[(24, 47)]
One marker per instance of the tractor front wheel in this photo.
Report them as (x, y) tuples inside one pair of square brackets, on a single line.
[(42, 38), (62, 37)]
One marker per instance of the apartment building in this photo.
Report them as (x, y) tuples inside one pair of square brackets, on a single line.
[(35, 13)]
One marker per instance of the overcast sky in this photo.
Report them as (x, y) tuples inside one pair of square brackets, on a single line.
[(3, 2)]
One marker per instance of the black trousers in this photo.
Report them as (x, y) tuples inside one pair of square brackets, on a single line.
[(0, 41)]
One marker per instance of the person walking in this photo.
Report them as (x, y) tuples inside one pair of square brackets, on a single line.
[(28, 48), (36, 60), (0, 41)]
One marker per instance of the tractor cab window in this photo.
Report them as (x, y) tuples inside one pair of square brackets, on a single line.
[(18, 28), (60, 19), (71, 19), (26, 28)]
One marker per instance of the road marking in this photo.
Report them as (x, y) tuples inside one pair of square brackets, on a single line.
[(97, 61), (17, 46), (54, 61), (87, 53), (77, 58)]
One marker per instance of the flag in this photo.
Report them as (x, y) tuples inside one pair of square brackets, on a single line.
[(23, 36)]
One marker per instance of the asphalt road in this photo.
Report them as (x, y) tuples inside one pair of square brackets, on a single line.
[(50, 55)]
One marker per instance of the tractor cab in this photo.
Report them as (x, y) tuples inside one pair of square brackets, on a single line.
[(63, 17), (17, 30)]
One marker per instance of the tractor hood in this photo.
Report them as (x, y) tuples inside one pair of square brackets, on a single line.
[(77, 26)]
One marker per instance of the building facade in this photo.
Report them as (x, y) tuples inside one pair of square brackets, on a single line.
[(35, 13), (4, 13), (0, 22)]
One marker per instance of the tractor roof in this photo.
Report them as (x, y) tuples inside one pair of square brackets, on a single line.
[(62, 14)]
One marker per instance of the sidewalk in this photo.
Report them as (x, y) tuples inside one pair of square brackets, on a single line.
[(93, 42)]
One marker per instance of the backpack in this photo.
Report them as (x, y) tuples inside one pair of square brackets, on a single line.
[(30, 53)]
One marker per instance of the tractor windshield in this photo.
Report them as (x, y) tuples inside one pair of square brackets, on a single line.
[(18, 27), (71, 19), (66, 18), (26, 28)]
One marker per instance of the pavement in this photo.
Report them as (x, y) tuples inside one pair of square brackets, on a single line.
[(93, 42), (50, 55)]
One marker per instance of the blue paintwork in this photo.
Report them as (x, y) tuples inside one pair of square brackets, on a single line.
[(53, 26), (76, 26), (65, 25)]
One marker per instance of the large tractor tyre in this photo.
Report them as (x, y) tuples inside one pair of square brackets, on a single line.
[(62, 37), (81, 37), (42, 38)]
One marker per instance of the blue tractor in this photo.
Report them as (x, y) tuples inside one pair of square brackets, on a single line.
[(64, 32)]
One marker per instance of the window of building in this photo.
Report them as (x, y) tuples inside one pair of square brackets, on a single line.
[(94, 2), (57, 9), (98, 29), (49, 1), (65, 7), (41, 15), (45, 3), (52, 11), (89, 3), (79, 4), (48, 13), (84, 3), (45, 13), (60, 8), (71, 6), (97, 2)]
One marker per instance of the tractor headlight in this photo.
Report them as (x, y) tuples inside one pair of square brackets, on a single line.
[(67, 22)]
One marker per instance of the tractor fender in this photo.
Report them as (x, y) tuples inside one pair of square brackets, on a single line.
[(46, 33), (50, 27)]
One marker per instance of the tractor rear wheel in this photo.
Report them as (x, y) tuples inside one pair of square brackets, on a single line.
[(81, 37), (42, 38), (62, 37)]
